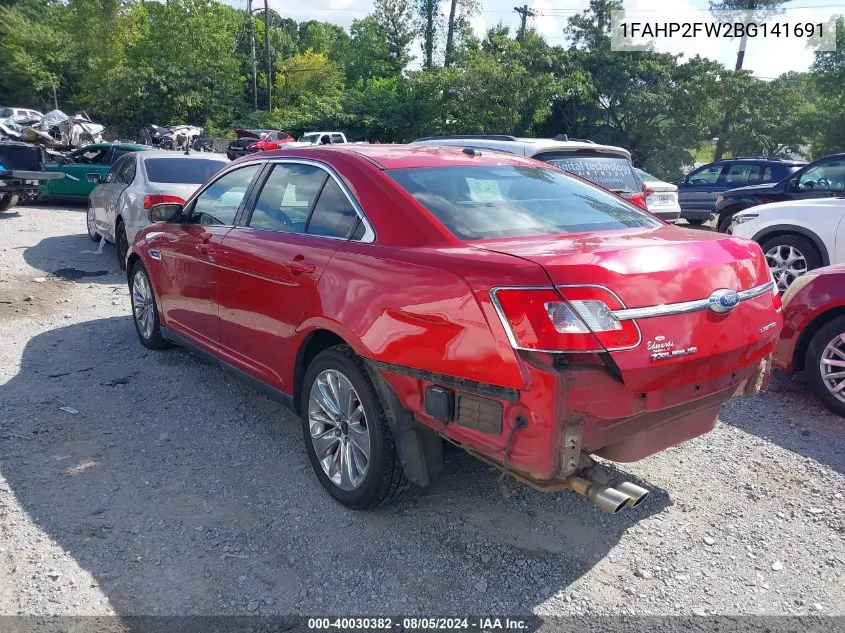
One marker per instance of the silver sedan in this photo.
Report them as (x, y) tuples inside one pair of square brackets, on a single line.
[(118, 205)]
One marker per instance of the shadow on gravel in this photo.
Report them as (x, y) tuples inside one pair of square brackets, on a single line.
[(183, 491), (75, 258), (791, 416), (5, 215)]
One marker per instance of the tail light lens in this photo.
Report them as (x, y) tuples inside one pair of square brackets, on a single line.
[(160, 199), (574, 319), (639, 199)]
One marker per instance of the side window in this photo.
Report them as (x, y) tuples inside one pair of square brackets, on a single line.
[(334, 215), (827, 176), (93, 156), (287, 198), (122, 171), (707, 175), (742, 173), (117, 153), (219, 203), (767, 175), (337, 138)]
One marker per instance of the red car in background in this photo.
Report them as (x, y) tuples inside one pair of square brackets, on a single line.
[(250, 141), (813, 336), (398, 295)]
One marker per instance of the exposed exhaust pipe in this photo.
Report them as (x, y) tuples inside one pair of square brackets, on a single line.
[(636, 494), (607, 498)]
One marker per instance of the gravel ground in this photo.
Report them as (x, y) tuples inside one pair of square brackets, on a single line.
[(135, 482)]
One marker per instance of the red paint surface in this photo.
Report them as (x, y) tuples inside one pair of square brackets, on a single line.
[(419, 297)]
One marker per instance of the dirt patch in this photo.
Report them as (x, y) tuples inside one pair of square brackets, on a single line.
[(23, 298)]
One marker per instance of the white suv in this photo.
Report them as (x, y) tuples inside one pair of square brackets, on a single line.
[(605, 165)]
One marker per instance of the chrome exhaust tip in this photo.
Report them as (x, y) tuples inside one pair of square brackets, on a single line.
[(636, 494), (604, 497)]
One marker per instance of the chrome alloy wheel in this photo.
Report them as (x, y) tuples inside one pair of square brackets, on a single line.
[(832, 367), (92, 225), (339, 430), (786, 263), (143, 305)]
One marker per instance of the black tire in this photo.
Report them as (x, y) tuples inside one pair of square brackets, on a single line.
[(727, 217), (384, 480), (694, 221), (803, 245), (121, 244), (8, 200), (152, 339), (89, 224), (230, 156), (812, 362)]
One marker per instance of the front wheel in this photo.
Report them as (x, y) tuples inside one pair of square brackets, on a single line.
[(145, 308), (91, 225), (789, 256), (347, 435), (825, 364), (7, 201)]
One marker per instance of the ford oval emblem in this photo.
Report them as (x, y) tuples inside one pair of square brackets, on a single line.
[(723, 301)]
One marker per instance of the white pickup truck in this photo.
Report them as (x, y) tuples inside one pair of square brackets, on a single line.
[(318, 138)]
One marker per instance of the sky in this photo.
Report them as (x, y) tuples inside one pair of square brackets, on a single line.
[(767, 59)]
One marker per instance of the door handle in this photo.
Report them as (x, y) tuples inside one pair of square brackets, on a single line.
[(298, 265)]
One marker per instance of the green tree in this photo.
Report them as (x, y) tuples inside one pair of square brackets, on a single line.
[(396, 22), (429, 25), (828, 81)]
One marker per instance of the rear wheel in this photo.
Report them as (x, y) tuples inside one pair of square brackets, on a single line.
[(121, 243), (825, 364), (789, 256), (92, 227), (145, 308), (347, 436), (7, 201)]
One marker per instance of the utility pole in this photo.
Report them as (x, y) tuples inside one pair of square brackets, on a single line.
[(252, 49), (524, 13), (450, 35), (267, 57)]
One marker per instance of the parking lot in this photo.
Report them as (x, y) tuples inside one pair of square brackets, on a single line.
[(141, 482)]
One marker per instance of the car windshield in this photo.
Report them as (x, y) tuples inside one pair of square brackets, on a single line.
[(309, 138), (611, 172), (490, 201), (190, 171)]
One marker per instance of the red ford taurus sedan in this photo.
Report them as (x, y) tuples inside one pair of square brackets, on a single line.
[(399, 295)]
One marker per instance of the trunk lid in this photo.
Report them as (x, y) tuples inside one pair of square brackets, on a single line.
[(666, 265)]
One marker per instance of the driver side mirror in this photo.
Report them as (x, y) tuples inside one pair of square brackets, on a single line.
[(165, 212), (93, 177)]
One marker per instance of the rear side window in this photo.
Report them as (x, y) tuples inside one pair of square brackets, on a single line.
[(611, 172), (334, 215), (742, 174), (189, 171), (487, 201)]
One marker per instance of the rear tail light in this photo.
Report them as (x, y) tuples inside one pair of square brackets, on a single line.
[(159, 199), (639, 199), (569, 319)]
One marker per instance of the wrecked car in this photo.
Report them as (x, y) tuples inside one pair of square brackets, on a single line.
[(396, 296), (55, 129), (174, 137), (20, 172), (251, 141)]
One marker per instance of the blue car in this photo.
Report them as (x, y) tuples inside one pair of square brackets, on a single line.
[(698, 191)]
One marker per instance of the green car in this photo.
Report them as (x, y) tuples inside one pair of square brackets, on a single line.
[(96, 158)]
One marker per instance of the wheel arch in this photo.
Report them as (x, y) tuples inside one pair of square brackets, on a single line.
[(784, 229), (420, 450), (800, 353)]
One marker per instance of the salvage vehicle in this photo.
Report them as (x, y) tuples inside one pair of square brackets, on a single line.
[(77, 165), (250, 141), (796, 236), (21, 172), (812, 342), (606, 165), (823, 178), (118, 204), (398, 295), (320, 138), (175, 137)]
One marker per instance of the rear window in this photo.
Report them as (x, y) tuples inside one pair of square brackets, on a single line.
[(190, 171), (611, 172), (491, 201)]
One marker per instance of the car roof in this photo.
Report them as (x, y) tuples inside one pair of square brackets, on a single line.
[(531, 146), (758, 159), (385, 156), (163, 153)]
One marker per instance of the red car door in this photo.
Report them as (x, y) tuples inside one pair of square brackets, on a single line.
[(271, 263), (188, 254)]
